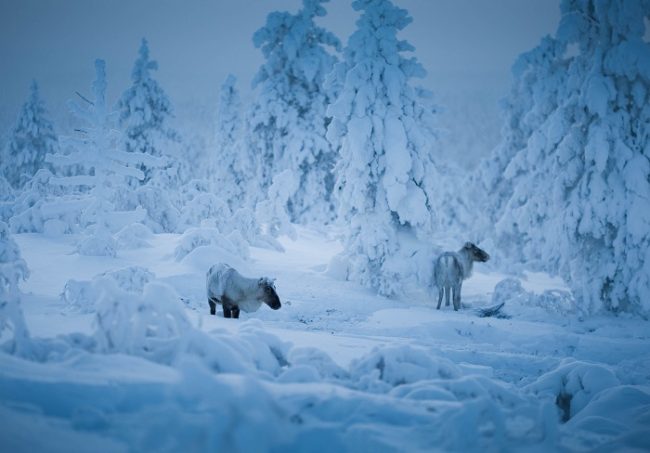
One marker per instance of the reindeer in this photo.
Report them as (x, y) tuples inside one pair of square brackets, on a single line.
[(451, 268), (233, 291)]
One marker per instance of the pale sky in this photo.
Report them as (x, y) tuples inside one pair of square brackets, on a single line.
[(465, 45)]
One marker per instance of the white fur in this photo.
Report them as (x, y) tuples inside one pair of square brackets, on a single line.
[(223, 280)]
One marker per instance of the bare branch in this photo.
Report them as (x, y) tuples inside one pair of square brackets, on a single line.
[(84, 98)]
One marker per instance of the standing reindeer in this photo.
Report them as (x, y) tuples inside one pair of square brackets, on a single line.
[(233, 291), (451, 268)]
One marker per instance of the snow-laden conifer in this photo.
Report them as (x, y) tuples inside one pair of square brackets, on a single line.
[(580, 190), (232, 167), (287, 122), (145, 111), (107, 167), (386, 173), (13, 269), (32, 138)]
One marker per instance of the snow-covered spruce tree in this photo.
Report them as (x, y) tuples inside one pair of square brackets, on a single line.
[(12, 270), (231, 166), (107, 168), (145, 111), (32, 138), (287, 122), (538, 76), (581, 198), (386, 171)]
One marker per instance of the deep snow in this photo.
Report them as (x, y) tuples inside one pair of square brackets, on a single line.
[(336, 369)]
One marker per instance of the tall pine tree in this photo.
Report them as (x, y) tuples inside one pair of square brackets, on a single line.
[(145, 111), (32, 138), (287, 122), (231, 168)]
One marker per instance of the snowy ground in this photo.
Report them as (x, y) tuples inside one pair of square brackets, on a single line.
[(336, 369)]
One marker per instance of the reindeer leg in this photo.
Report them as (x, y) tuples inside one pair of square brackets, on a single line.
[(457, 297), (235, 312), (226, 312), (213, 306), (441, 291), (447, 295)]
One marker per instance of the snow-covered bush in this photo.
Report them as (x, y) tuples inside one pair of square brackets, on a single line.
[(150, 324), (511, 292), (161, 215), (317, 360), (390, 366), (32, 138), (145, 111), (84, 295), (386, 171), (13, 269), (244, 223), (286, 124), (42, 202), (198, 237), (135, 235), (572, 385), (204, 206), (576, 196)]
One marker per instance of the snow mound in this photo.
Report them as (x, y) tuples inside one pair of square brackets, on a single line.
[(573, 385), (387, 367), (133, 236), (99, 243)]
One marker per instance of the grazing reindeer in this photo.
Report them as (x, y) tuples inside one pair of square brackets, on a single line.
[(451, 268), (229, 288)]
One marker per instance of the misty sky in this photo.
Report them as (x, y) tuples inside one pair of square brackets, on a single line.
[(465, 45)]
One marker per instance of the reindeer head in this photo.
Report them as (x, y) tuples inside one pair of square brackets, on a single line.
[(476, 253), (268, 294)]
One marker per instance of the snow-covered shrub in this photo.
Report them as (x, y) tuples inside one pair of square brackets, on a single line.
[(161, 214), (32, 138), (572, 385), (13, 269), (150, 324), (99, 242), (382, 124), (512, 293), (203, 206), (286, 124), (197, 237), (135, 235), (84, 295), (244, 222), (145, 111), (389, 366), (317, 360), (40, 201), (576, 190)]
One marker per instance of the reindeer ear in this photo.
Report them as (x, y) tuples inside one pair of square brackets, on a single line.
[(468, 245)]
